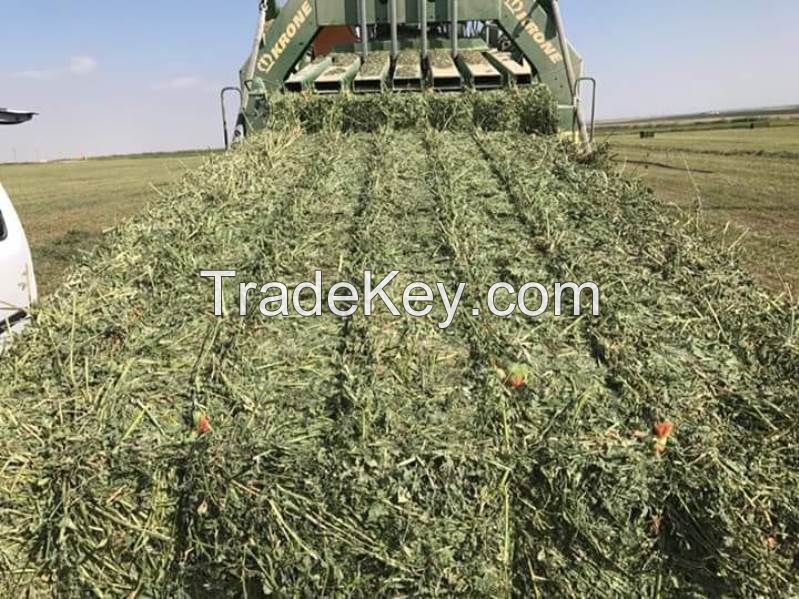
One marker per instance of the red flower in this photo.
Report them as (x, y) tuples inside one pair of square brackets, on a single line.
[(771, 543), (517, 376), (203, 425), (516, 381), (663, 430)]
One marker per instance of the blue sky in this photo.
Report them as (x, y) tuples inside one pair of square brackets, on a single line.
[(114, 77)]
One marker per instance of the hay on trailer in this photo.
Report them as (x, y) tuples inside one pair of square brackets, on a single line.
[(382, 455)]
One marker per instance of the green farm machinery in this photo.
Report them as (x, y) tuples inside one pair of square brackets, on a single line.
[(410, 46)]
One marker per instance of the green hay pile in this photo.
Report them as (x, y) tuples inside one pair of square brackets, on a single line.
[(535, 114), (531, 110), (319, 113), (382, 456), (366, 113), (450, 112), (282, 112), (503, 112), (407, 111)]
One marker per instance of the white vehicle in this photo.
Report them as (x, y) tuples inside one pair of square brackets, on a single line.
[(18, 291)]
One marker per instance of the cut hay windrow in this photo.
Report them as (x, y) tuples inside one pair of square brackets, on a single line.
[(530, 110), (383, 455)]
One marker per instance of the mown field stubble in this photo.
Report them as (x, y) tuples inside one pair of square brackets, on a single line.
[(748, 178), (66, 205)]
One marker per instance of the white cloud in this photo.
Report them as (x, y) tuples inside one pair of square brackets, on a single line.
[(82, 65)]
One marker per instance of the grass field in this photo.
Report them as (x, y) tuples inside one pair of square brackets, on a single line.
[(65, 206), (748, 178)]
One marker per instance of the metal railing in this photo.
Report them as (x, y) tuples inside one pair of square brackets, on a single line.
[(222, 96), (578, 96)]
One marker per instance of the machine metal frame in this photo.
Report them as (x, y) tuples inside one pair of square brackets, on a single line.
[(540, 51)]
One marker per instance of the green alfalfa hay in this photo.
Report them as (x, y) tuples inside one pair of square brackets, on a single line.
[(365, 113), (538, 110), (312, 480), (320, 112), (497, 111), (407, 111), (450, 111), (282, 112), (531, 110)]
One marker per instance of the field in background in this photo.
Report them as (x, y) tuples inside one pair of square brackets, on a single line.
[(747, 177), (65, 206)]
